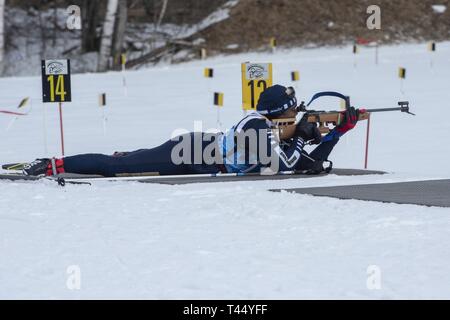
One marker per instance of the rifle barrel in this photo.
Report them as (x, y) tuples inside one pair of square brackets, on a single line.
[(316, 112), (384, 109), (404, 107)]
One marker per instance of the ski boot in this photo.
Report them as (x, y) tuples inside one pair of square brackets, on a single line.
[(44, 166)]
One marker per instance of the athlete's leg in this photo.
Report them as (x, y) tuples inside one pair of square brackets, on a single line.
[(320, 153), (157, 160)]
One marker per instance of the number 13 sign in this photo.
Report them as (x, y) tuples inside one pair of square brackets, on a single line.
[(56, 81), (256, 77)]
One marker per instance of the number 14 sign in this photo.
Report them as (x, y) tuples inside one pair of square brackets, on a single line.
[(56, 87), (56, 81)]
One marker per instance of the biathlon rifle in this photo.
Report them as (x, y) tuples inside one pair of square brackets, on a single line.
[(326, 118)]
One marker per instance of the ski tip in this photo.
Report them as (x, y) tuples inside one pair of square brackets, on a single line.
[(13, 166)]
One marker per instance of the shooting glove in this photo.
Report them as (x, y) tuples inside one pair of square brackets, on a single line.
[(350, 118), (308, 132)]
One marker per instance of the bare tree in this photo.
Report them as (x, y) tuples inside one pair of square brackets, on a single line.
[(147, 6), (55, 24), (162, 13), (151, 8), (107, 35), (43, 30), (90, 20)]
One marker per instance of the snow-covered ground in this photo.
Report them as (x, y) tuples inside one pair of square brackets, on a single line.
[(228, 240)]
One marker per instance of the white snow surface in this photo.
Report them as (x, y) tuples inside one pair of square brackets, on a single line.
[(234, 239)]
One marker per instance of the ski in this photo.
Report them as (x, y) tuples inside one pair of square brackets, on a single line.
[(64, 178), (18, 176), (23, 177)]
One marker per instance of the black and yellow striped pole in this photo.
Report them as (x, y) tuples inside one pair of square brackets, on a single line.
[(432, 46), (102, 99), (208, 72), (102, 104), (295, 78), (402, 76), (273, 44), (123, 61), (355, 52), (432, 49), (218, 102), (218, 99), (402, 73)]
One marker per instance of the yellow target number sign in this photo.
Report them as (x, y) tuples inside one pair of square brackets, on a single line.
[(256, 77)]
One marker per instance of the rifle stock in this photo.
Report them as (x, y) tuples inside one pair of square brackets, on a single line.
[(325, 119)]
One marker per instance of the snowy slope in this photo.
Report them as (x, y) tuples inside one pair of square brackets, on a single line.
[(228, 240)]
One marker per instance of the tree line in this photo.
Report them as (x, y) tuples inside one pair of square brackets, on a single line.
[(104, 23)]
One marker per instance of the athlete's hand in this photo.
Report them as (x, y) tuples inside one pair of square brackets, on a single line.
[(308, 132), (351, 116)]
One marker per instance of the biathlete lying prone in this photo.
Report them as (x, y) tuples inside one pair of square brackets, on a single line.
[(254, 144)]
